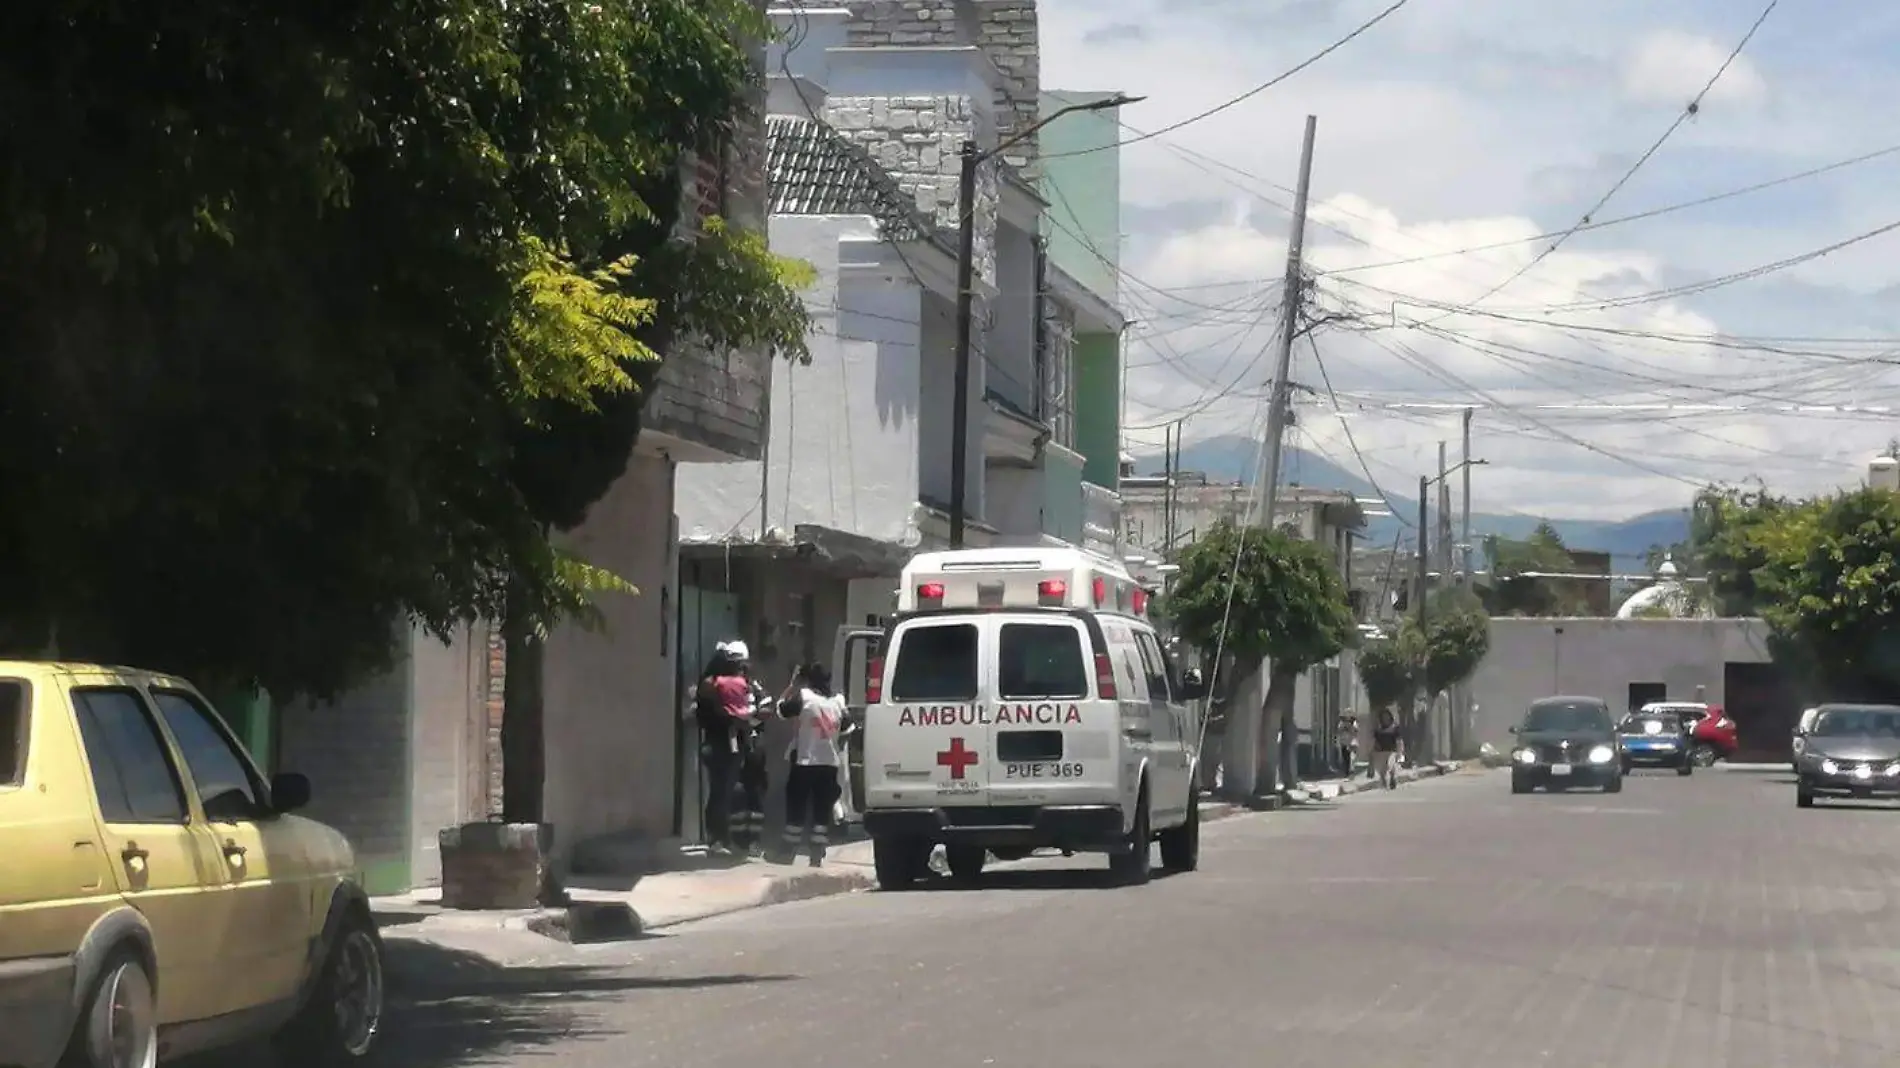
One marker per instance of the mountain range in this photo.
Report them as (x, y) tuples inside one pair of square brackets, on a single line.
[(1231, 458)]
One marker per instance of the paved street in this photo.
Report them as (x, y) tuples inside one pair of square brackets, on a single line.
[(1685, 922)]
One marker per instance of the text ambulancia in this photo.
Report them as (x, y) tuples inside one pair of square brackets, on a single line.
[(1024, 702)]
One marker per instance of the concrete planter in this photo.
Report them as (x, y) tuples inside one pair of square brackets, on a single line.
[(497, 866)]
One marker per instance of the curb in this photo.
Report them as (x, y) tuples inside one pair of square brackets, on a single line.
[(1334, 790), (803, 886)]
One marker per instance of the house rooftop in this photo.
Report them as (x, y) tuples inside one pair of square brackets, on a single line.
[(812, 169)]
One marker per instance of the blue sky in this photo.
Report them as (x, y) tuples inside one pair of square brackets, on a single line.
[(1459, 123)]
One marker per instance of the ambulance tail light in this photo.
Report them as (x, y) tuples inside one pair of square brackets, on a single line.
[(1104, 677), (930, 595), (874, 681), (1100, 591), (1052, 592)]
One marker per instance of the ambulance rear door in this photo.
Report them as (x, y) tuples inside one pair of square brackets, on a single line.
[(1052, 735), (926, 736)]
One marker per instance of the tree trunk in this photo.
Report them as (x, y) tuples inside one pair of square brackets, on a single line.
[(523, 731), (1289, 731), (1276, 719)]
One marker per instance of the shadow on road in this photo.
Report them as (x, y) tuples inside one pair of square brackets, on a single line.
[(1086, 878), (449, 1008)]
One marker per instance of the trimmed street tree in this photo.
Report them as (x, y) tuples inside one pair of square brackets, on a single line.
[(1275, 598), (1388, 670), (1457, 637), (315, 324)]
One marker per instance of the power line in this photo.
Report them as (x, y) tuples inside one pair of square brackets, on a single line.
[(1249, 94), (1327, 381), (1688, 112), (1652, 213)]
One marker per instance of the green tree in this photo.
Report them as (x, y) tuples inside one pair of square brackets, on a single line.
[(1271, 597), (1388, 669), (1457, 637), (316, 323), (1726, 534), (1829, 586), (1514, 593)]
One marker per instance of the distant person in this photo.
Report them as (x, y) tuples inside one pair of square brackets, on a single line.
[(1388, 748), (748, 818), (812, 785), (1348, 743), (722, 706)]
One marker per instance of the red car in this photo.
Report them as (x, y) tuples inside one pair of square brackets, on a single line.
[(1712, 734)]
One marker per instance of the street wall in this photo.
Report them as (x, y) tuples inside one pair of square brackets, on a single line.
[(609, 702), (1533, 658)]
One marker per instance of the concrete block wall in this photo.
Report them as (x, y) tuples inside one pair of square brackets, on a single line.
[(1006, 31), (714, 397), (356, 751)]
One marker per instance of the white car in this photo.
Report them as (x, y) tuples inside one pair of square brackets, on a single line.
[(1022, 702)]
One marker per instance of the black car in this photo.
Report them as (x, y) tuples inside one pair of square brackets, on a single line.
[(1564, 742), (1849, 751), (1655, 739)]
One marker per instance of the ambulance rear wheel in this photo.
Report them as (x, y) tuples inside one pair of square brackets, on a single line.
[(966, 862), (1181, 846), (899, 862), (1134, 866)]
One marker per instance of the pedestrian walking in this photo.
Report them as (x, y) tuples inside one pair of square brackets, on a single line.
[(748, 817), (1348, 743), (815, 756), (722, 705), (1388, 749)]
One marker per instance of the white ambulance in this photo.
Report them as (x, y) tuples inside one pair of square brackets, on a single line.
[(1022, 701)]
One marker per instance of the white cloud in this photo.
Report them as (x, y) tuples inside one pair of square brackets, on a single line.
[(1477, 126), (1671, 67)]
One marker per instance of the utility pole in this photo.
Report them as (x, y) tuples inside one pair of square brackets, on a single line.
[(1461, 699), (1424, 566), (1167, 499), (971, 158), (1444, 514), (1464, 524), (1289, 327)]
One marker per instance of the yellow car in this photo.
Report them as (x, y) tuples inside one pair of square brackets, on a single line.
[(157, 897)]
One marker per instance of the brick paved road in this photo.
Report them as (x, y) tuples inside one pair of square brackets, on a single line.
[(1682, 923)]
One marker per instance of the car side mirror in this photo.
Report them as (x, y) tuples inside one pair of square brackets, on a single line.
[(1513, 728), (1193, 685), (289, 792)]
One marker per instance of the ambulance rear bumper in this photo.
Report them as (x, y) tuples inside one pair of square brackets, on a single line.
[(1014, 825)]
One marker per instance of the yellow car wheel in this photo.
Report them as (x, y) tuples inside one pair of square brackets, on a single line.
[(340, 1023), (120, 1026)]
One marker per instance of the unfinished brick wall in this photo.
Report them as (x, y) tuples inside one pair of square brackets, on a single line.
[(717, 398)]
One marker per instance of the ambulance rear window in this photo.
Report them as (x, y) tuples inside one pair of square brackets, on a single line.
[(935, 663), (1037, 661)]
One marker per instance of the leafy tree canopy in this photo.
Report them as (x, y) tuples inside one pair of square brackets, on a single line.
[(1726, 530), (310, 316), (1288, 602), (1829, 585), (1513, 594), (1388, 669), (1456, 638)]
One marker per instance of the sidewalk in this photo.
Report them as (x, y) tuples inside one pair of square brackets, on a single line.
[(610, 910)]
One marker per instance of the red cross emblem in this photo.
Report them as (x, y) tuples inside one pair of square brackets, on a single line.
[(956, 758)]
